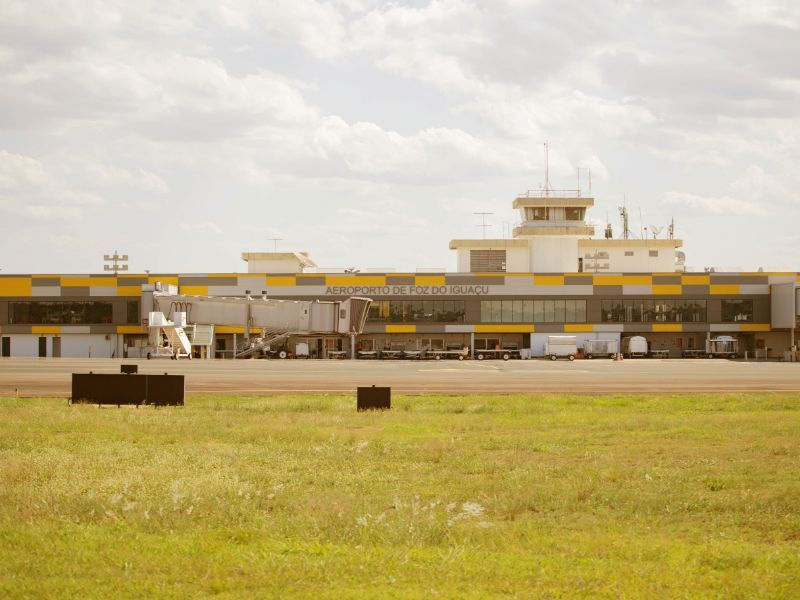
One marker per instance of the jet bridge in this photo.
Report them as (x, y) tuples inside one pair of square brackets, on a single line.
[(271, 321)]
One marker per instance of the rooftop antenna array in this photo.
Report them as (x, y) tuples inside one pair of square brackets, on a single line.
[(547, 186), (116, 261), (484, 225), (623, 212), (672, 229), (656, 229), (275, 242)]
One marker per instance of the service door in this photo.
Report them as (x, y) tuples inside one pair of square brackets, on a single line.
[(5, 350), (56, 347), (42, 347)]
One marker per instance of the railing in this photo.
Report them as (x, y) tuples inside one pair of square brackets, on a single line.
[(548, 193)]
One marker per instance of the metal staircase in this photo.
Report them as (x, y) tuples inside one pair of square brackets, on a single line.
[(257, 345)]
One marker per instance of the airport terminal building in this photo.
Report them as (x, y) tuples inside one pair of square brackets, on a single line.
[(551, 277)]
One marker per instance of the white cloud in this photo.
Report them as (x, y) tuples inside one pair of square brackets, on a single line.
[(713, 205), (204, 228)]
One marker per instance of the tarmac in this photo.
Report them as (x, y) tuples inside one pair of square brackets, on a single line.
[(52, 377)]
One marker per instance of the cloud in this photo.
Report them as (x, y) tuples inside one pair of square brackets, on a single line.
[(713, 205), (204, 228)]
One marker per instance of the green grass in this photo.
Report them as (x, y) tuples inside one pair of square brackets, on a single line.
[(552, 496)]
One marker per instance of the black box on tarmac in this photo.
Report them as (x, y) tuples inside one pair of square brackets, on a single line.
[(119, 389), (374, 398)]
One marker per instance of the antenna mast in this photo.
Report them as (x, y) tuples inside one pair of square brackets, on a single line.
[(623, 212), (547, 188), (483, 224)]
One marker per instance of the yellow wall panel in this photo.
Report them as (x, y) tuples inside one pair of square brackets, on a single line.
[(667, 327), (194, 290), (171, 280), (129, 290), (622, 280), (755, 327), (228, 329), (401, 329), (671, 290), (548, 280), (15, 286), (578, 327), (429, 280), (507, 328), (723, 290), (46, 329), (282, 281), (695, 279), (131, 329)]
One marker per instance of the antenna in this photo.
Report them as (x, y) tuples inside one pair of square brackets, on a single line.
[(578, 169), (672, 229), (623, 212), (116, 260), (641, 230), (547, 188), (656, 230), (483, 224), (590, 180), (275, 241)]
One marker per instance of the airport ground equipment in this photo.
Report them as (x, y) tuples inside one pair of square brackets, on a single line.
[(168, 338), (505, 353), (561, 346), (725, 346), (275, 321), (595, 348), (452, 352), (634, 346), (660, 353)]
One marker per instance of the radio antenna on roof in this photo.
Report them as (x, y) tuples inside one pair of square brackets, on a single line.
[(547, 187)]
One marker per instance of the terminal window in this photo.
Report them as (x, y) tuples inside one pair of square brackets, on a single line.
[(737, 311), (414, 311), (533, 311), (666, 310), (59, 313)]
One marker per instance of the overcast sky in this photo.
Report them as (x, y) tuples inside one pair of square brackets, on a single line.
[(367, 133)]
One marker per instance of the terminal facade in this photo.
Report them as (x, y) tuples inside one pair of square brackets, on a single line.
[(551, 277)]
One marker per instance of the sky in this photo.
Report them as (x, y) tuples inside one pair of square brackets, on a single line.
[(368, 133)]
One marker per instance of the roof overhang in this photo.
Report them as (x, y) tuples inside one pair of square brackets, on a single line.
[(553, 201), (501, 243), (631, 243), (301, 257)]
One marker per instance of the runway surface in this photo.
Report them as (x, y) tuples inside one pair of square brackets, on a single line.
[(52, 377)]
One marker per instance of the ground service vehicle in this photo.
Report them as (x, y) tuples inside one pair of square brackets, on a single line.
[(561, 346), (724, 345), (595, 348), (634, 346)]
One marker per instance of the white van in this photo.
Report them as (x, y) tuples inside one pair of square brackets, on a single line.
[(634, 346), (561, 346)]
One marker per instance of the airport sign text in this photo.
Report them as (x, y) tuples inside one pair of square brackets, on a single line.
[(406, 290)]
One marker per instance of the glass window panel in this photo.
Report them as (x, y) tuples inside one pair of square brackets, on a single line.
[(538, 311), (580, 311), (560, 313), (549, 311), (507, 311), (527, 311), (516, 311), (497, 311)]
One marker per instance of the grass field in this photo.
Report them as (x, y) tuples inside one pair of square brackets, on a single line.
[(553, 496)]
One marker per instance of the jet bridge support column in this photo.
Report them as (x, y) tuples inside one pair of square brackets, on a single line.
[(352, 346)]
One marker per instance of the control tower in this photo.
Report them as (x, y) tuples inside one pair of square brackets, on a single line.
[(553, 221)]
